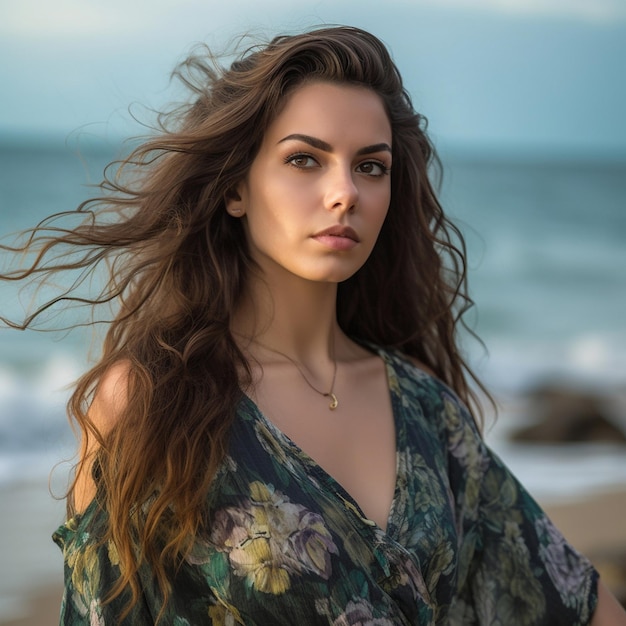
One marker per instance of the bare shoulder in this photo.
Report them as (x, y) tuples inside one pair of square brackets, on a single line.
[(108, 404), (111, 397)]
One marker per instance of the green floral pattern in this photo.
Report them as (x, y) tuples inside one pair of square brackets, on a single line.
[(464, 544)]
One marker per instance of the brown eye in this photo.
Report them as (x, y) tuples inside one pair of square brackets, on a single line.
[(301, 161), (372, 168)]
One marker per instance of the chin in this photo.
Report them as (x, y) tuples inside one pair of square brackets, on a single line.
[(335, 272), (335, 277)]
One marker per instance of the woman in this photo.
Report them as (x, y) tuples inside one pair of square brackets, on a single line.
[(277, 430)]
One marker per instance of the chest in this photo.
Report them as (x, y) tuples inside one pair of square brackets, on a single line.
[(355, 443)]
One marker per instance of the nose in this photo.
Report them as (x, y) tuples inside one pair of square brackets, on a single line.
[(342, 194)]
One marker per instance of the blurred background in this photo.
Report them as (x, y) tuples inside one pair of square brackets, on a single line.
[(526, 102)]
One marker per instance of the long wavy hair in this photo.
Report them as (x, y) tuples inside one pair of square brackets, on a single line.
[(176, 264)]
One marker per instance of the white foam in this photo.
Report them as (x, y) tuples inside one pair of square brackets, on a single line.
[(34, 431)]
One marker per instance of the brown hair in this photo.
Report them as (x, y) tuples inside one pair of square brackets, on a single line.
[(177, 263)]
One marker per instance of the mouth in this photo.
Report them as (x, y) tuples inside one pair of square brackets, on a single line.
[(337, 238), (344, 232)]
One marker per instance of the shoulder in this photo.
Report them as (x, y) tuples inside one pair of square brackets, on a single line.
[(109, 402), (420, 385), (111, 397), (402, 361), (420, 365)]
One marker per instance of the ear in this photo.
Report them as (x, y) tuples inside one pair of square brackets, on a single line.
[(234, 202)]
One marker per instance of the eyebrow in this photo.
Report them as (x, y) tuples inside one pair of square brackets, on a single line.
[(326, 147)]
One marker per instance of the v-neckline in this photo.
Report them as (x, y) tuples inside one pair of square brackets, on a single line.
[(348, 501)]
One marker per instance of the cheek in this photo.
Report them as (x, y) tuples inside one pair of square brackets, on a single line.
[(267, 226), (382, 206)]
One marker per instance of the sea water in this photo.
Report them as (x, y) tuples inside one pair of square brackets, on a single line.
[(547, 270)]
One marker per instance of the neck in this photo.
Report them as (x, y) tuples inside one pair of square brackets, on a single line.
[(293, 316)]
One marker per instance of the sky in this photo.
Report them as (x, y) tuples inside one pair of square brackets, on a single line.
[(522, 74)]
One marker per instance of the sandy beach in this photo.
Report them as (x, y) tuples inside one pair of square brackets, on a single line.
[(31, 576)]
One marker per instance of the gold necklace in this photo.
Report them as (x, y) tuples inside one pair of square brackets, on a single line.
[(334, 403)]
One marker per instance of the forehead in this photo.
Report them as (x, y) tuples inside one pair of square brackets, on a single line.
[(324, 109)]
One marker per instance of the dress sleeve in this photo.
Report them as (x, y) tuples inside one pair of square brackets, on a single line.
[(516, 568), (91, 570)]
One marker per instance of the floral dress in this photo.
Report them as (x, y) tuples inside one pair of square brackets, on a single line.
[(464, 544)]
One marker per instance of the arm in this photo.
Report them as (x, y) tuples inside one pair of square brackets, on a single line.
[(609, 612)]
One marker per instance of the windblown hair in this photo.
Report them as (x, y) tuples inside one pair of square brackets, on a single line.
[(177, 265)]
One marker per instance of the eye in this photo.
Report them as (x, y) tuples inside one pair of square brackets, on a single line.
[(373, 168), (301, 161)]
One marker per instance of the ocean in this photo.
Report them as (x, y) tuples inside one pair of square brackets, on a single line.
[(547, 271)]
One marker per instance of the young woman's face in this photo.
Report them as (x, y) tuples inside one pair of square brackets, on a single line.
[(319, 189)]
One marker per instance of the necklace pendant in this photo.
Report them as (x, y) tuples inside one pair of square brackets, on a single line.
[(334, 403)]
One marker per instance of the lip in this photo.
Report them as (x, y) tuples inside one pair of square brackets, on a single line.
[(340, 238), (344, 232)]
